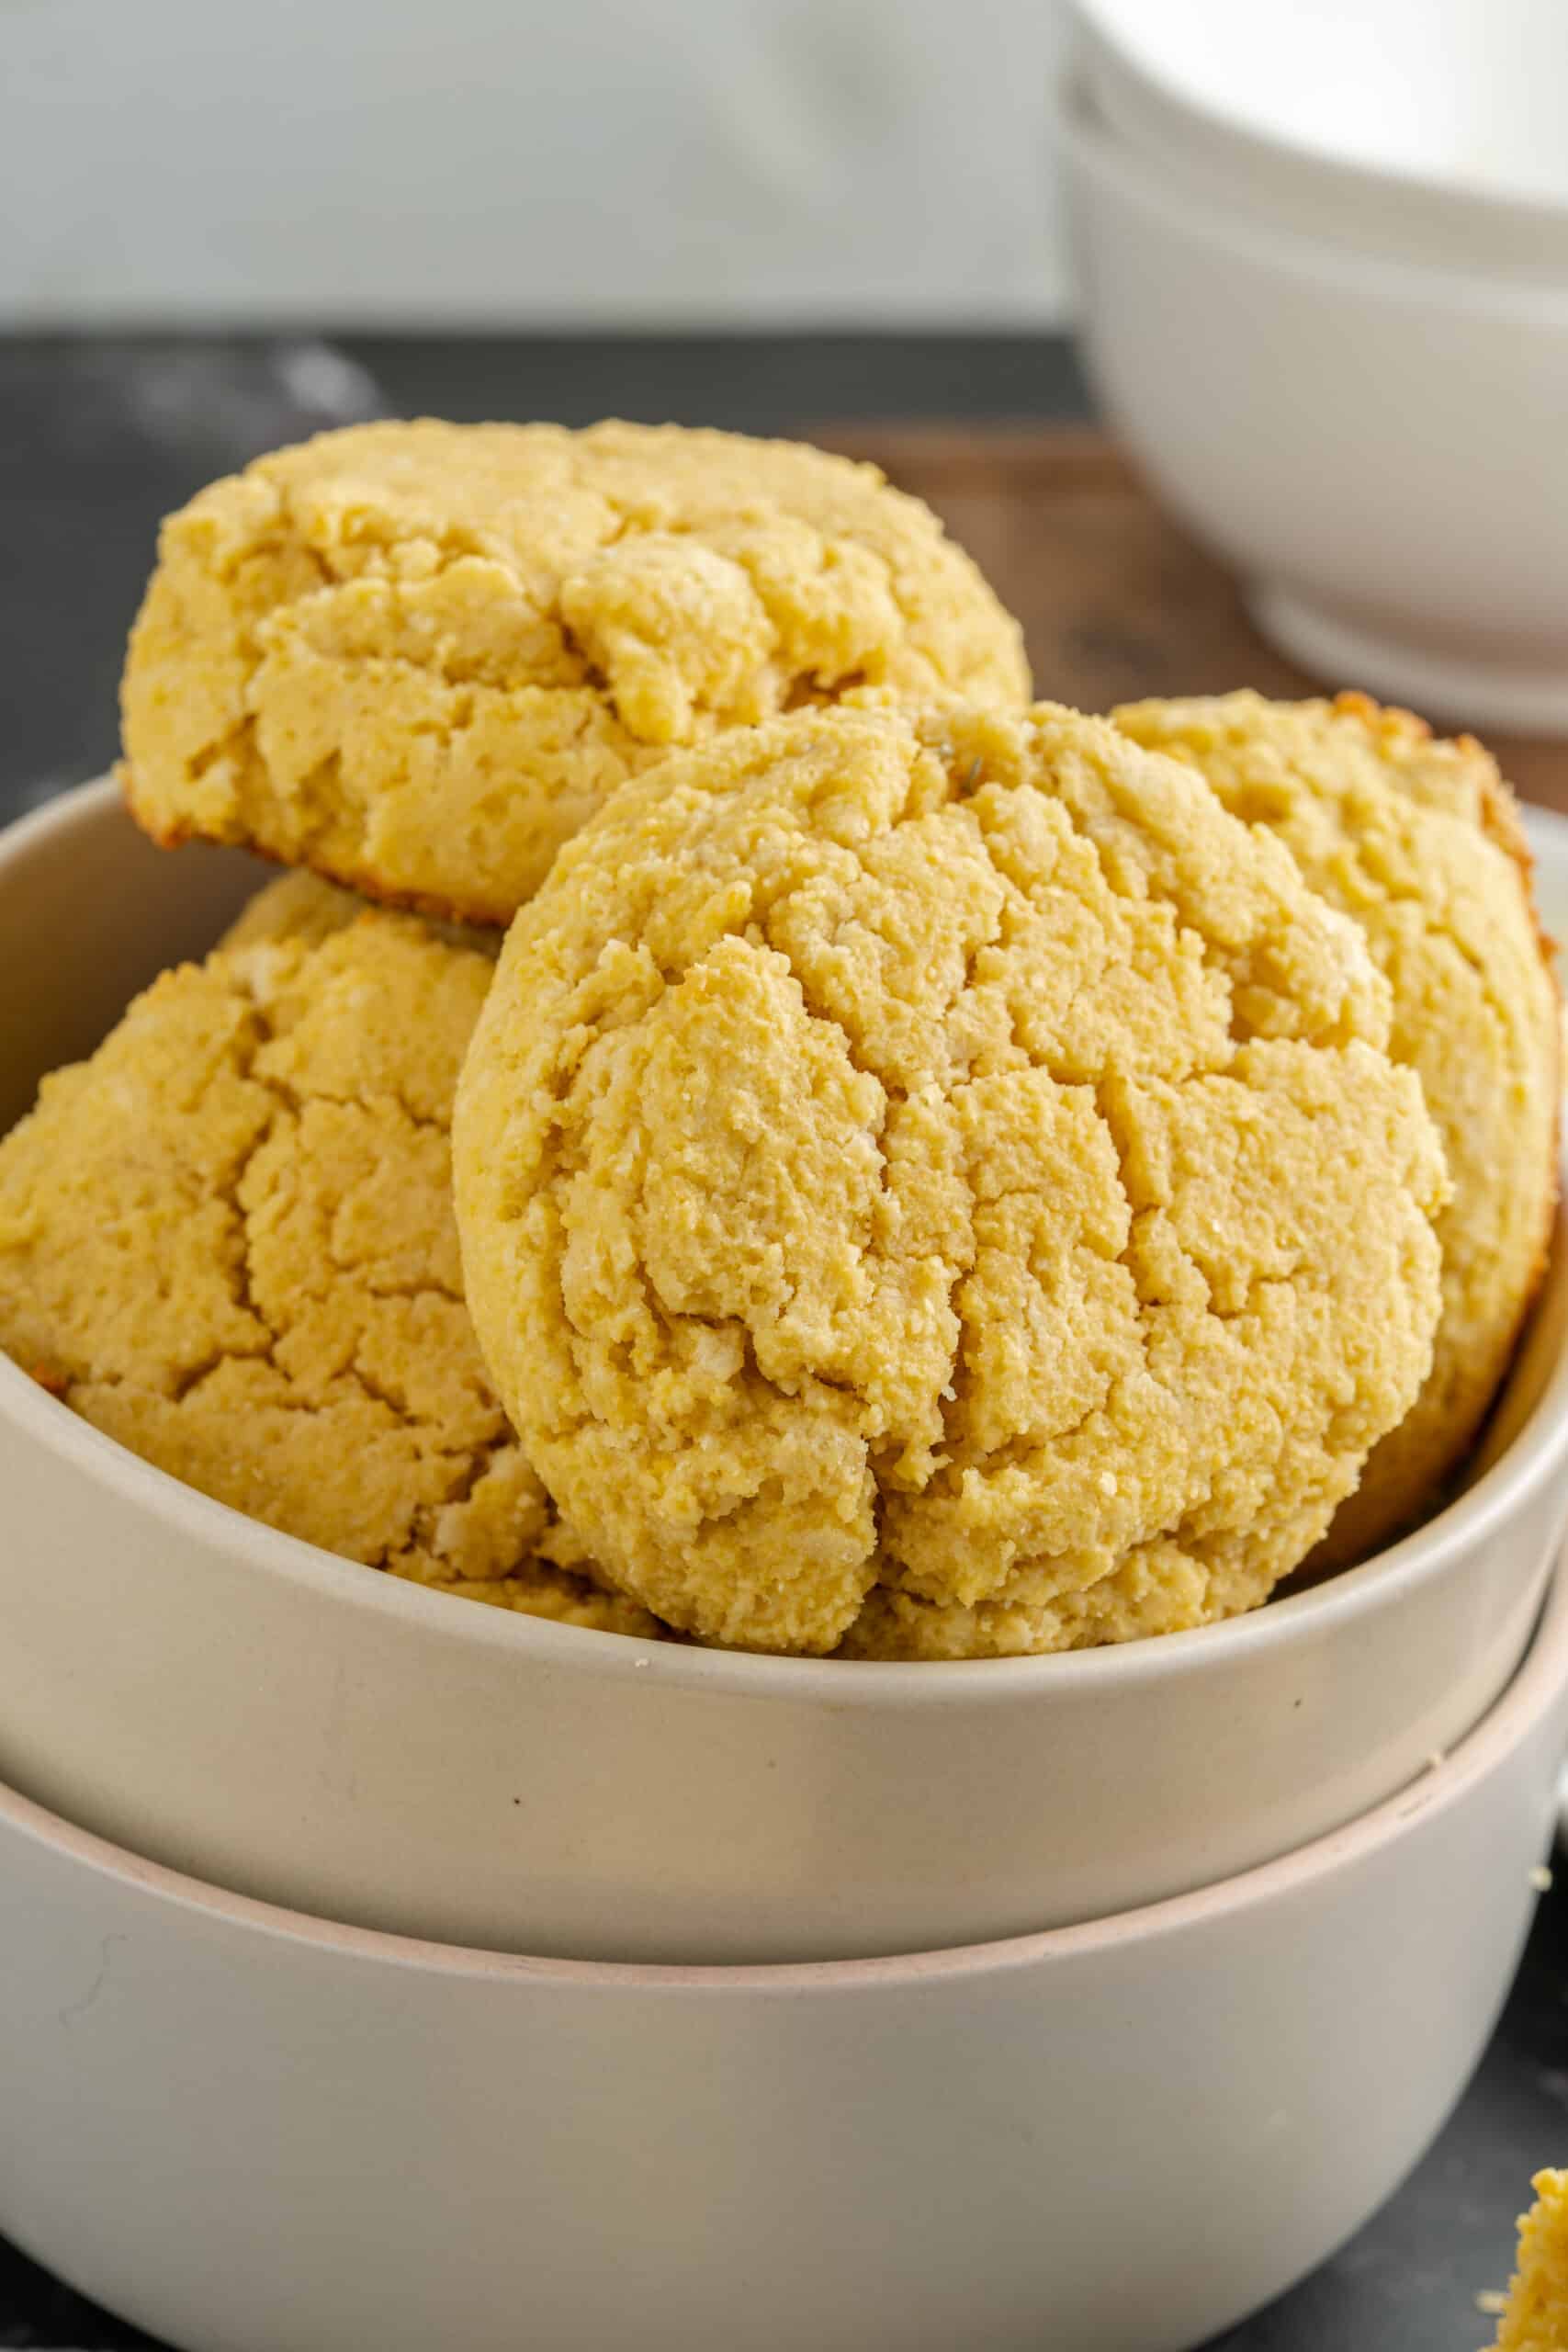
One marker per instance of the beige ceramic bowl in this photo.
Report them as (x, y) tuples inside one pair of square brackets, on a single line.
[(253, 2133), (237, 1704)]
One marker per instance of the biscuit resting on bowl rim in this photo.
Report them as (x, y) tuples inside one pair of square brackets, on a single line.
[(301, 906), (227, 1240), (416, 657), (901, 1170), (1418, 841)]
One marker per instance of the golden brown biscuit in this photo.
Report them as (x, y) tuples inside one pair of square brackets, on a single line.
[(417, 657), (226, 1239), (913, 1152), (1535, 2318), (1418, 841)]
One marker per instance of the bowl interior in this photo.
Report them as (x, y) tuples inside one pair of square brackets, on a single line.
[(115, 911), (1458, 95)]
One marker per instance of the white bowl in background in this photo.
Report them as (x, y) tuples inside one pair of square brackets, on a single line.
[(1378, 446), (236, 1703), (253, 2133), (1426, 127)]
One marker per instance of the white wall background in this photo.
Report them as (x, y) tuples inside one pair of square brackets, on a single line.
[(501, 162)]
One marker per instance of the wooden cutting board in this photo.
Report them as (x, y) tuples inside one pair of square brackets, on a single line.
[(1115, 600)]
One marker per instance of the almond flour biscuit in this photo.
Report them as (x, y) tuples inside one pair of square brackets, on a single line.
[(417, 657), (910, 1154), (1418, 840), (227, 1240)]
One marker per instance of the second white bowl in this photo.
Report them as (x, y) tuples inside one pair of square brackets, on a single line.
[(255, 2132), (1429, 128), (1378, 446)]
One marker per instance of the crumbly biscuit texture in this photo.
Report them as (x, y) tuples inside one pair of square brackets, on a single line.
[(1418, 841), (417, 657), (1535, 2318), (906, 1157), (227, 1240)]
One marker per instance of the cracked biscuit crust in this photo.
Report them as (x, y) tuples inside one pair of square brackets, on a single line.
[(1418, 840), (908, 1157), (417, 657), (227, 1240)]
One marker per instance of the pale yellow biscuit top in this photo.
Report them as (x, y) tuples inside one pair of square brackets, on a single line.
[(1535, 2316), (1418, 840), (227, 1240), (416, 657), (913, 1153)]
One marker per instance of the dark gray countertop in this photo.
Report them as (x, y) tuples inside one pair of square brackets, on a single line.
[(97, 440)]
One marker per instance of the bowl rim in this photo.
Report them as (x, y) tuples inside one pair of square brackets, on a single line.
[(1539, 1687), (1226, 127), (1537, 1449), (1094, 146)]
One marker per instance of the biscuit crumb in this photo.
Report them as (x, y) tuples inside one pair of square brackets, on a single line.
[(1534, 2314)]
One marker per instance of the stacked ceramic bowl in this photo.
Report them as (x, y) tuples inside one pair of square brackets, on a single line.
[(383, 1968), (1323, 258)]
